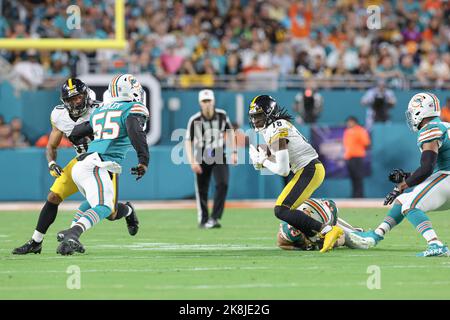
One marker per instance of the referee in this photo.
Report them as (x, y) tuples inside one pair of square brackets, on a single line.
[(205, 147)]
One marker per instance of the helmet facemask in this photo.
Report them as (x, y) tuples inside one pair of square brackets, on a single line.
[(76, 104)]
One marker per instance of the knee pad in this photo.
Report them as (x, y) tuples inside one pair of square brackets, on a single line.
[(54, 198)]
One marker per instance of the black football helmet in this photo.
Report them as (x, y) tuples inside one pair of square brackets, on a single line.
[(263, 111), (75, 97)]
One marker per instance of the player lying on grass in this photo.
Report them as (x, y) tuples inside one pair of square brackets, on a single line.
[(78, 105), (116, 125), (430, 182), (324, 211), (290, 151)]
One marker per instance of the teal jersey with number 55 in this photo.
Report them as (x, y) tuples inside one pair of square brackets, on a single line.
[(108, 121)]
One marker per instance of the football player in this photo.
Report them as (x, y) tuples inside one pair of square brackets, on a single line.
[(290, 151), (324, 211), (430, 182), (116, 125), (78, 104)]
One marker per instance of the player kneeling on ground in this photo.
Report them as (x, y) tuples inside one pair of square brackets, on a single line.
[(324, 211)]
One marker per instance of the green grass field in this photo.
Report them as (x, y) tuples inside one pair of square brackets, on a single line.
[(171, 258)]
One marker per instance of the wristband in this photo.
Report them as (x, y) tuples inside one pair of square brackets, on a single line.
[(51, 163)]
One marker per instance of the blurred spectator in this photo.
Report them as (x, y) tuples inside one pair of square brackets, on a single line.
[(18, 138), (356, 140), (433, 70), (308, 104), (29, 70), (282, 60), (445, 112), (319, 38), (5, 136), (379, 100)]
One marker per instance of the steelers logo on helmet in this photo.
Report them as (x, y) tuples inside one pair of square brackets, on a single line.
[(262, 112), (75, 97)]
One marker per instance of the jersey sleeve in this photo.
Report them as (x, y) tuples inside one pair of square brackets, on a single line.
[(139, 109), (432, 132), (54, 116), (279, 129)]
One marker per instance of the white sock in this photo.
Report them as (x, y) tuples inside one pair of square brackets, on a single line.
[(431, 237), (382, 229), (37, 236), (84, 223)]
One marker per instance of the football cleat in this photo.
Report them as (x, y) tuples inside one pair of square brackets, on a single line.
[(30, 247), (70, 245), (212, 223), (367, 239), (331, 237), (132, 221), (65, 237), (435, 250)]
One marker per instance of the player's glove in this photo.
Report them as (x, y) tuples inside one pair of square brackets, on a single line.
[(257, 156), (392, 195), (398, 175), (55, 170), (139, 171)]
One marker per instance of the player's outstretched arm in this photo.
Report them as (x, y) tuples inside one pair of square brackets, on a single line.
[(51, 151), (135, 128)]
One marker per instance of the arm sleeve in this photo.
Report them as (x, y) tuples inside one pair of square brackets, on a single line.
[(79, 132), (281, 164), (136, 133), (427, 163)]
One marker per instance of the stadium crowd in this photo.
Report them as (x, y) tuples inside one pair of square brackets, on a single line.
[(240, 37)]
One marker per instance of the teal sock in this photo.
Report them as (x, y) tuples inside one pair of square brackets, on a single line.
[(423, 225), (93, 216), (84, 206), (393, 218)]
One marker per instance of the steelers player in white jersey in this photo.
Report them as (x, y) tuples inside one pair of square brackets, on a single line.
[(291, 152), (78, 103)]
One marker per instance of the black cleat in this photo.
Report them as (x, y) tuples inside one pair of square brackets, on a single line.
[(30, 247), (212, 223), (132, 221), (69, 243), (62, 234)]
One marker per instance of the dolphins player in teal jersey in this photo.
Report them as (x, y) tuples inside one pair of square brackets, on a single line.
[(325, 211), (116, 125), (430, 182)]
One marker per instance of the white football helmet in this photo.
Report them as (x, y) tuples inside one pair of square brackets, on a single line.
[(125, 87), (422, 105)]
